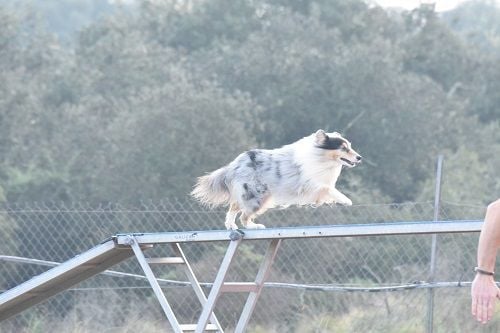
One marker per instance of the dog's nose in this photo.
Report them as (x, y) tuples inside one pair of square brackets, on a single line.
[(359, 158)]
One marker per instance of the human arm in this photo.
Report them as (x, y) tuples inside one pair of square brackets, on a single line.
[(484, 290)]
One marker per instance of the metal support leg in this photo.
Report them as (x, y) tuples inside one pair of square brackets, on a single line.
[(154, 284), (195, 284), (259, 281), (216, 288)]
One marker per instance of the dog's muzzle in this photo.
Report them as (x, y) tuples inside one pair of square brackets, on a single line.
[(351, 164)]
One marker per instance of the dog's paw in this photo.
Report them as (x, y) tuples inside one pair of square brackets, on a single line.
[(345, 202), (252, 225)]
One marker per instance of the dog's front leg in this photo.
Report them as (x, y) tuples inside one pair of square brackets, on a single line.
[(339, 197), (231, 217)]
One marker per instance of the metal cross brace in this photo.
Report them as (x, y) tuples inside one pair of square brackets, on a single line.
[(254, 289), (180, 259), (219, 286)]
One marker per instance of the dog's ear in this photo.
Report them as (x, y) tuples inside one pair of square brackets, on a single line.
[(320, 137)]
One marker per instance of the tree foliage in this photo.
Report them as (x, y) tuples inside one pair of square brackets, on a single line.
[(141, 100)]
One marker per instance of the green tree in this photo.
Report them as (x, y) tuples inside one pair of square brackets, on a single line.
[(33, 69), (432, 49), (168, 136), (144, 115), (478, 23), (306, 77), (401, 87)]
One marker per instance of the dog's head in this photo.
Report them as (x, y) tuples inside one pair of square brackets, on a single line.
[(336, 147)]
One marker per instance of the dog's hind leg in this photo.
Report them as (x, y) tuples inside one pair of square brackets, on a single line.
[(247, 218), (253, 201), (231, 214), (247, 221)]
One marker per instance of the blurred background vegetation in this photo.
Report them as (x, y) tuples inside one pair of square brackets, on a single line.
[(132, 100), (125, 101)]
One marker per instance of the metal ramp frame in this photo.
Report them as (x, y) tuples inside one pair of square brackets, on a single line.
[(179, 259), (62, 277), (123, 246)]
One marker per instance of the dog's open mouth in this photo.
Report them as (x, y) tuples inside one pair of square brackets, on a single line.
[(349, 163)]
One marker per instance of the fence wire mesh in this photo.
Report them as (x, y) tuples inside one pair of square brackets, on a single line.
[(316, 285)]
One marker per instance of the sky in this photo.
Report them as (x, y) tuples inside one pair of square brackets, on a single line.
[(441, 5)]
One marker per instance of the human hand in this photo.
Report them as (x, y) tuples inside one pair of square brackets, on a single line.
[(484, 292)]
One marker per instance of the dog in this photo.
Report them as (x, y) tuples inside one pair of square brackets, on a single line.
[(301, 173)]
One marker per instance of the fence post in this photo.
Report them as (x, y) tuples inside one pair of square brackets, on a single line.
[(437, 200)]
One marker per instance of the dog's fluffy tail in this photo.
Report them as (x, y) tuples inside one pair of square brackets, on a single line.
[(212, 189)]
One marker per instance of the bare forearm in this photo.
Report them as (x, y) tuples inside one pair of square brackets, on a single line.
[(489, 239), (484, 290)]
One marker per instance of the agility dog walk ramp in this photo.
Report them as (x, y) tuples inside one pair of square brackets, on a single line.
[(62, 277), (123, 246)]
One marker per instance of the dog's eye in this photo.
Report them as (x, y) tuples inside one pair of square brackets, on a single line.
[(344, 148)]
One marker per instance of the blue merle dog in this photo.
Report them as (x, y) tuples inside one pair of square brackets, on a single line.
[(301, 173)]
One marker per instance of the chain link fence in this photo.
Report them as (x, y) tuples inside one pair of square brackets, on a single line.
[(317, 285)]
